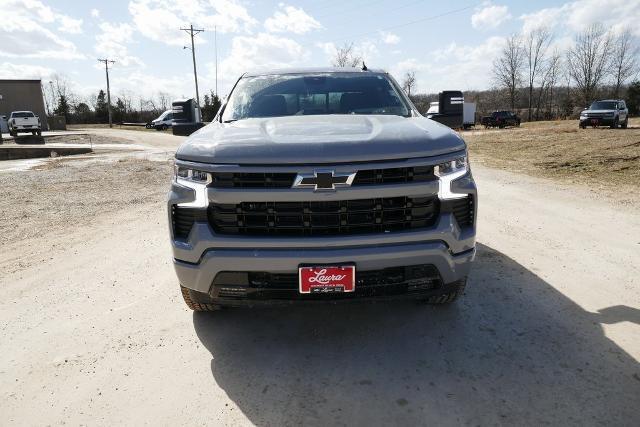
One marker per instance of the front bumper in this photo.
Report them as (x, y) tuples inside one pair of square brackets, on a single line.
[(203, 255), (597, 121)]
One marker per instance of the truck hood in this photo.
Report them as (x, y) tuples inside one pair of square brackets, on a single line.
[(319, 139)]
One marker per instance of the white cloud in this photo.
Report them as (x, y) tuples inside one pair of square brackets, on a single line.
[(161, 20), (576, 16), (291, 19), (144, 85), (389, 38), (69, 25), (95, 13), (489, 16), (9, 70), (260, 51), (112, 42), (455, 66), (29, 32)]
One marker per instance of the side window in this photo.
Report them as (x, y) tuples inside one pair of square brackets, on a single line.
[(623, 105)]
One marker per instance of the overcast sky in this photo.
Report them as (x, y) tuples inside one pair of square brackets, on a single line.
[(450, 44)]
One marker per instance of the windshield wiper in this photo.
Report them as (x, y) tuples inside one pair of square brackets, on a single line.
[(230, 120)]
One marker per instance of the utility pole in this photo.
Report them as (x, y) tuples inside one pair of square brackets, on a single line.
[(215, 46), (106, 70), (192, 32)]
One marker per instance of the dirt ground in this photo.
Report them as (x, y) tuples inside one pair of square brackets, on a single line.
[(604, 159), (93, 329)]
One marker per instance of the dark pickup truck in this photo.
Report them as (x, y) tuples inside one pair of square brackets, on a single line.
[(500, 119)]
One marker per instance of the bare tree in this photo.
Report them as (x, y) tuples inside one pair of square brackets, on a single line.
[(536, 43), (552, 75), (588, 60), (409, 82), (346, 56), (623, 61), (164, 100), (507, 68)]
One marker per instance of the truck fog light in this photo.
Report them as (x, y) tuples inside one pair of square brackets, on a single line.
[(449, 171)]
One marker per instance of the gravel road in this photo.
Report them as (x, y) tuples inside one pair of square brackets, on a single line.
[(94, 330)]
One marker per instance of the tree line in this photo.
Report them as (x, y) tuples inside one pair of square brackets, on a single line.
[(540, 81), (61, 100)]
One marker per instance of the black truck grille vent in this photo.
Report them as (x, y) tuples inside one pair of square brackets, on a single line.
[(182, 219), (285, 180), (342, 217), (462, 210)]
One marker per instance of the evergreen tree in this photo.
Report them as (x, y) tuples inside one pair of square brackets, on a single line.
[(211, 106), (63, 108), (102, 112), (633, 97)]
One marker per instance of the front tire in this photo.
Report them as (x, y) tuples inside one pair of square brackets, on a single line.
[(625, 123), (198, 301), (615, 124), (449, 297)]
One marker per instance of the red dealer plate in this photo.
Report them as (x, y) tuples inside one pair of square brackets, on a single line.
[(327, 279)]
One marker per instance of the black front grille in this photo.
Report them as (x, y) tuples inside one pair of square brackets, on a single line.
[(462, 210), (394, 175), (252, 180), (342, 217), (285, 180), (182, 219), (265, 285)]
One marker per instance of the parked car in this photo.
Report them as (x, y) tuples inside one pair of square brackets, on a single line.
[(500, 119), (468, 113), (607, 112), (321, 185), (164, 121), (24, 121)]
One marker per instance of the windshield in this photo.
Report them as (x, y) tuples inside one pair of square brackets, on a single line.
[(165, 116), (604, 105), (22, 114), (329, 93)]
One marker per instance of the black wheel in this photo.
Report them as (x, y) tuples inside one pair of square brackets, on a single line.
[(13, 134), (582, 126), (198, 301), (39, 133), (615, 124), (449, 297), (625, 123), (33, 132)]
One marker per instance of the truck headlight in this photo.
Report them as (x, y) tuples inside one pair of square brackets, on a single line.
[(449, 171), (197, 180), (191, 175)]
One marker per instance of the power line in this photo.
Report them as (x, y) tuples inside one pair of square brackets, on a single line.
[(192, 32), (405, 24), (416, 21), (106, 69)]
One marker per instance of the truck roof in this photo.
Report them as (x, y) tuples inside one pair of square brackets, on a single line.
[(312, 70)]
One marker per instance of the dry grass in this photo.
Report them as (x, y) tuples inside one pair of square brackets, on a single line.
[(64, 193), (605, 158)]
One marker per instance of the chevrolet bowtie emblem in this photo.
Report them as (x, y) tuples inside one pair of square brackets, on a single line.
[(323, 180)]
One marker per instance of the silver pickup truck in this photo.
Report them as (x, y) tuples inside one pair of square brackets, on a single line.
[(321, 185)]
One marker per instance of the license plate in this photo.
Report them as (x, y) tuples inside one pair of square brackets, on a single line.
[(327, 279)]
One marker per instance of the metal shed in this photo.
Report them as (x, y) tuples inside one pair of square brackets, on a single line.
[(16, 95)]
